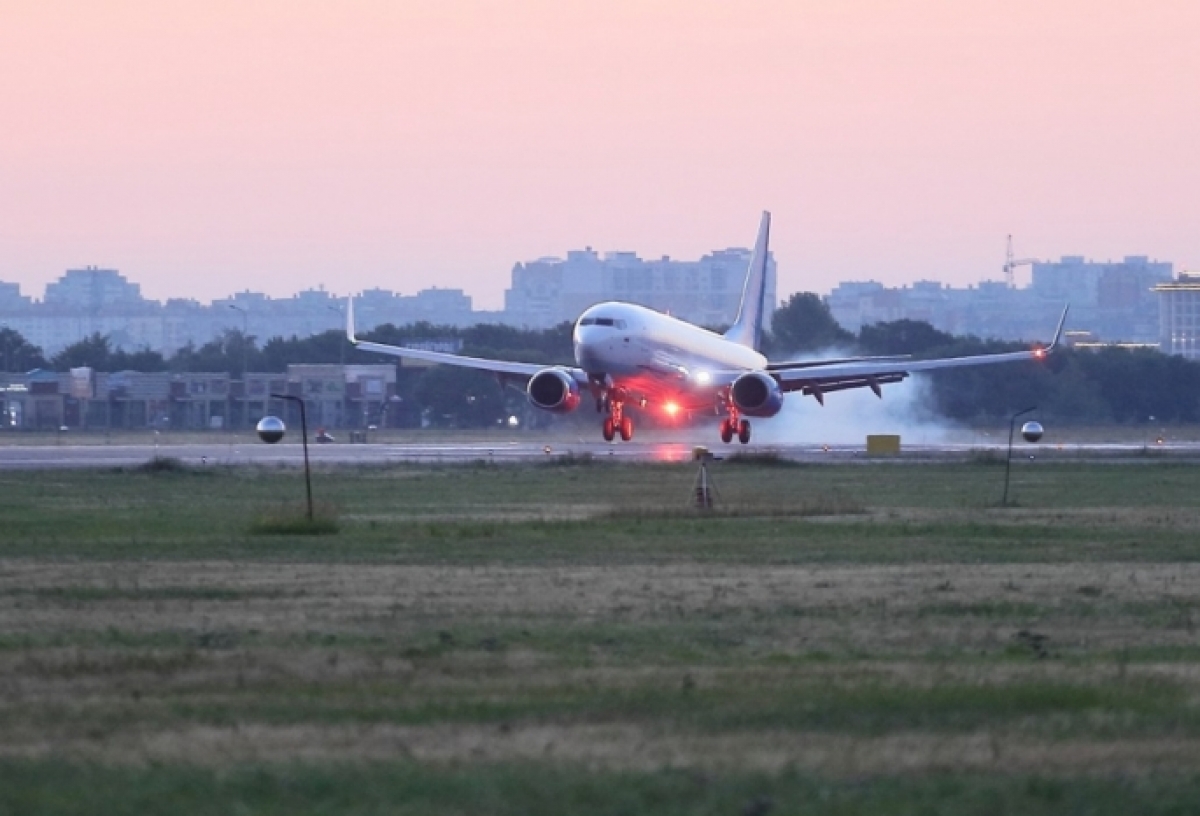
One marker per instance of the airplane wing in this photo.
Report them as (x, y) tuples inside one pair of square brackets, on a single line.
[(506, 369), (812, 363), (818, 379)]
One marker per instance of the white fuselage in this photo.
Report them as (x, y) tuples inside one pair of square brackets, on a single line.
[(623, 339)]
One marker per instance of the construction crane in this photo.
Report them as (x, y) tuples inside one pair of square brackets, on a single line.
[(1010, 264)]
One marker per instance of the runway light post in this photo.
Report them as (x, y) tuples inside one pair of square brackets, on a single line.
[(271, 429), (342, 341), (245, 383), (8, 348), (245, 334), (1012, 424)]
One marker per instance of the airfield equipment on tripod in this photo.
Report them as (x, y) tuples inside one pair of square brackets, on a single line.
[(704, 487)]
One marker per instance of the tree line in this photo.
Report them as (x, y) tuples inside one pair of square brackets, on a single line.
[(1073, 386)]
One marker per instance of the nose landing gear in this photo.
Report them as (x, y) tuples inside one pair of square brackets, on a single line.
[(616, 422)]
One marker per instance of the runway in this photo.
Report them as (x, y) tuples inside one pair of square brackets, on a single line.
[(37, 457)]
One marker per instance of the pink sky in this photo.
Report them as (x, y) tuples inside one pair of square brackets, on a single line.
[(208, 147)]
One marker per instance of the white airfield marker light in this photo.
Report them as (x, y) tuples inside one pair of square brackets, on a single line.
[(270, 429)]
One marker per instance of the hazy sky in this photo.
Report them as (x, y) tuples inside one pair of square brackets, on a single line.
[(207, 147)]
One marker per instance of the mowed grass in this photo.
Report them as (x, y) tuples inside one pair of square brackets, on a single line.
[(605, 512), (572, 637), (537, 790)]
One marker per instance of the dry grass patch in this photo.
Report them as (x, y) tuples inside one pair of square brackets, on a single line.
[(623, 747)]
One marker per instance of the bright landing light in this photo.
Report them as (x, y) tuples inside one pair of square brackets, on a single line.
[(671, 408), (703, 378)]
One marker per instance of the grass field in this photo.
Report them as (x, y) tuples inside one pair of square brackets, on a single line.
[(572, 637)]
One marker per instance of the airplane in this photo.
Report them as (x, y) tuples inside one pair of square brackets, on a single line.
[(626, 354)]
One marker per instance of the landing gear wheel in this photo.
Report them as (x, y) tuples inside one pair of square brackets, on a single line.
[(726, 431), (608, 430), (744, 431), (626, 429)]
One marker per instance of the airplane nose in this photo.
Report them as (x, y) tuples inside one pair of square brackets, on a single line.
[(587, 358)]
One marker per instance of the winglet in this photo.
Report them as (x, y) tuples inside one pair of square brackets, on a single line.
[(747, 329), (350, 320), (1062, 321)]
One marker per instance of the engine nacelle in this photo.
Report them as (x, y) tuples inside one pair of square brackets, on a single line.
[(553, 389), (756, 394)]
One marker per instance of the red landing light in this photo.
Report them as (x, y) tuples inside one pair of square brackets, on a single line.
[(671, 408), (1039, 352)]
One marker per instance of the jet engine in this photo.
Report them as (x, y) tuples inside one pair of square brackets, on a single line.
[(553, 389), (756, 394)]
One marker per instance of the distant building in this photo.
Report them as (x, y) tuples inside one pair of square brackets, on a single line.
[(445, 307), (91, 301), (989, 309), (92, 289), (707, 292), (11, 297), (1179, 316), (1112, 301)]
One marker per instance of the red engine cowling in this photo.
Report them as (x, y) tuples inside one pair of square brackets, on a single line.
[(553, 389), (756, 394)]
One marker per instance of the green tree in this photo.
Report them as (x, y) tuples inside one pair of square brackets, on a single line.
[(17, 353), (232, 352), (550, 346), (805, 324), (454, 397), (903, 337), (94, 351), (326, 347), (143, 359)]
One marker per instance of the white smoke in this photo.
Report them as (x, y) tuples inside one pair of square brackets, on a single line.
[(848, 417)]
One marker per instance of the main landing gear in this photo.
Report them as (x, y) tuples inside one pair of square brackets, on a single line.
[(616, 422), (734, 426)]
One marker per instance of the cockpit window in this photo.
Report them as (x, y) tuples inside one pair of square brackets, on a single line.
[(602, 321)]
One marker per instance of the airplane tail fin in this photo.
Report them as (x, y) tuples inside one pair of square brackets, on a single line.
[(350, 320), (747, 329)]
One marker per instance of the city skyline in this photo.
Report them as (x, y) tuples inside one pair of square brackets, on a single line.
[(281, 145), (1111, 301), (996, 277)]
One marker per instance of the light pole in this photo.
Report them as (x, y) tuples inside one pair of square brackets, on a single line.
[(245, 384), (304, 440), (245, 334), (1012, 424)]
